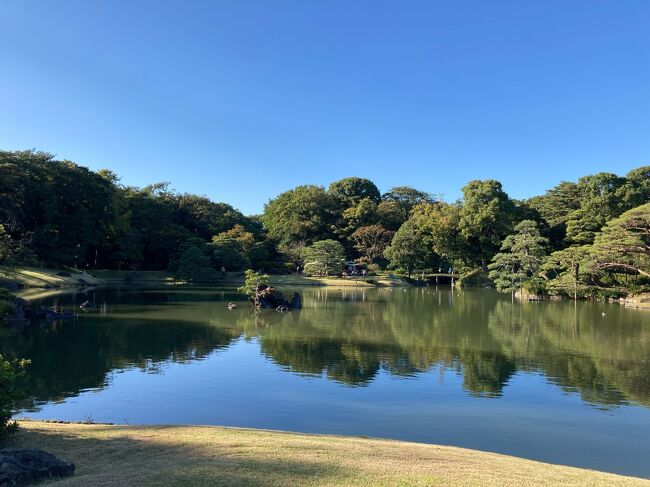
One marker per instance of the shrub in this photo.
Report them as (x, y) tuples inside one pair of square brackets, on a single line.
[(12, 375)]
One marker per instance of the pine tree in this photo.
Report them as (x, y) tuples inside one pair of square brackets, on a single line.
[(520, 258)]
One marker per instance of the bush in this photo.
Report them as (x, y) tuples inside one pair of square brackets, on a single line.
[(12, 375)]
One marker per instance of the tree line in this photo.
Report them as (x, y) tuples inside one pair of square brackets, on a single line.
[(579, 238)]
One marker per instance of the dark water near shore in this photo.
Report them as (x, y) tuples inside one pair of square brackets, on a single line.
[(549, 381)]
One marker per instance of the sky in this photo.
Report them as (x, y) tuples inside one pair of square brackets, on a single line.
[(241, 100)]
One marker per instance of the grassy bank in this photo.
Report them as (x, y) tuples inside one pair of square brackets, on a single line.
[(41, 278), (236, 279), (176, 455), (30, 277)]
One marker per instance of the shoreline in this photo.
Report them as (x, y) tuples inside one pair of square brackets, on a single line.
[(214, 455), (54, 279)]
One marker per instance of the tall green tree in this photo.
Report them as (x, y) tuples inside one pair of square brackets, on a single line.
[(407, 249), (391, 215), (195, 266), (407, 197), (624, 244), (566, 269), (229, 253), (350, 191), (603, 196), (323, 258), (439, 227), (305, 213), (486, 217), (520, 258), (371, 241), (355, 217)]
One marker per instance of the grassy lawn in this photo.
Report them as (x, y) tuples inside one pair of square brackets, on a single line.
[(188, 456), (31, 277), (37, 277)]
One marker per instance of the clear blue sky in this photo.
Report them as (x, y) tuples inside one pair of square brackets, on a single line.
[(240, 100)]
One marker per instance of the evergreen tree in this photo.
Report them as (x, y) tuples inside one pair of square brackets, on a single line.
[(323, 258), (520, 258)]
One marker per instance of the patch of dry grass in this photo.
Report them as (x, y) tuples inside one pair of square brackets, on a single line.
[(188, 456)]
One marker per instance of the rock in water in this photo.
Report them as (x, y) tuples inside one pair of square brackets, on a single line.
[(23, 466)]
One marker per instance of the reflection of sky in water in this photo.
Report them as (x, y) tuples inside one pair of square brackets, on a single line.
[(545, 381)]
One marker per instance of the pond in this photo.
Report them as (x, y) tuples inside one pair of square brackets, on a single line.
[(551, 381)]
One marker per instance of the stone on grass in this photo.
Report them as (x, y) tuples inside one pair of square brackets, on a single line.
[(24, 466)]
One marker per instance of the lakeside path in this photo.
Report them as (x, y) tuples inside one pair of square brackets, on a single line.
[(107, 455)]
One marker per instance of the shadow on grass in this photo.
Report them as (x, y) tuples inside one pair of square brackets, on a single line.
[(137, 456)]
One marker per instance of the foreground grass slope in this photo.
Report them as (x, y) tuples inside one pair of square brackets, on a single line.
[(182, 456)]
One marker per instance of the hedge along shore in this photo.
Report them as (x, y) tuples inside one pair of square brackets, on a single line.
[(108, 455)]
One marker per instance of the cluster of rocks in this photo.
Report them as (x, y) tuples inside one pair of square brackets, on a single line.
[(269, 297), (24, 466)]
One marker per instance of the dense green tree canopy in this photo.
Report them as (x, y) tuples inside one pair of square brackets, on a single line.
[(305, 213), (350, 191), (408, 250), (603, 196), (624, 244), (371, 241), (486, 217), (58, 213), (407, 197), (195, 266)]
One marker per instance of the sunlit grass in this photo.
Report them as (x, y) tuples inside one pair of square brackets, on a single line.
[(177, 455)]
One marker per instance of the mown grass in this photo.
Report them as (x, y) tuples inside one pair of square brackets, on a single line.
[(188, 456), (37, 277)]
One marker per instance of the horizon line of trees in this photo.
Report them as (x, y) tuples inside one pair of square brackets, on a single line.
[(579, 238)]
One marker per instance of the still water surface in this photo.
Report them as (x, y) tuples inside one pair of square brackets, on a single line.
[(549, 381)]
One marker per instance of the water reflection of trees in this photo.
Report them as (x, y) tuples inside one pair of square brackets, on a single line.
[(351, 335), (485, 338), (69, 357), (606, 358)]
